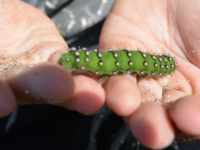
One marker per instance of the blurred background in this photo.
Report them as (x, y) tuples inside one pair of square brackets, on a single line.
[(39, 127)]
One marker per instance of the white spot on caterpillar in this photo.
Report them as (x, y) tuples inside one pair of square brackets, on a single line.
[(117, 64), (156, 65), (95, 50), (114, 73), (99, 55), (110, 49), (141, 72), (129, 55), (161, 66), (160, 59), (165, 60), (144, 55), (82, 67), (152, 73), (145, 63), (170, 59), (77, 53), (172, 66), (86, 59), (130, 63), (73, 48), (87, 53), (96, 72), (77, 60), (154, 57), (167, 67), (67, 59), (115, 55), (127, 71), (100, 63)]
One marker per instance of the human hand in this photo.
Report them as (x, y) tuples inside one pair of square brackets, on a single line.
[(28, 38), (170, 27)]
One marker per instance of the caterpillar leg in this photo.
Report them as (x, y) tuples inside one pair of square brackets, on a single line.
[(144, 76), (101, 77), (133, 73)]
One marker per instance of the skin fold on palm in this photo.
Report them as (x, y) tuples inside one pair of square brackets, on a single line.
[(28, 38)]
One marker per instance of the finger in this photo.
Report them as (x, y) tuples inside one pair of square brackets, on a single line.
[(175, 81), (122, 94), (88, 96), (7, 100), (174, 87), (185, 114), (169, 97), (192, 75), (150, 89), (43, 83), (151, 125)]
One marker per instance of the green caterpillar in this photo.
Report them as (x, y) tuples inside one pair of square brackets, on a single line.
[(117, 62)]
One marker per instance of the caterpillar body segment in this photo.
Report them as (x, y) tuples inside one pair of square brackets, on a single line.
[(119, 61)]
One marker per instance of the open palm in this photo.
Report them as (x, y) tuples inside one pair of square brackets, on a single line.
[(170, 27), (30, 38)]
